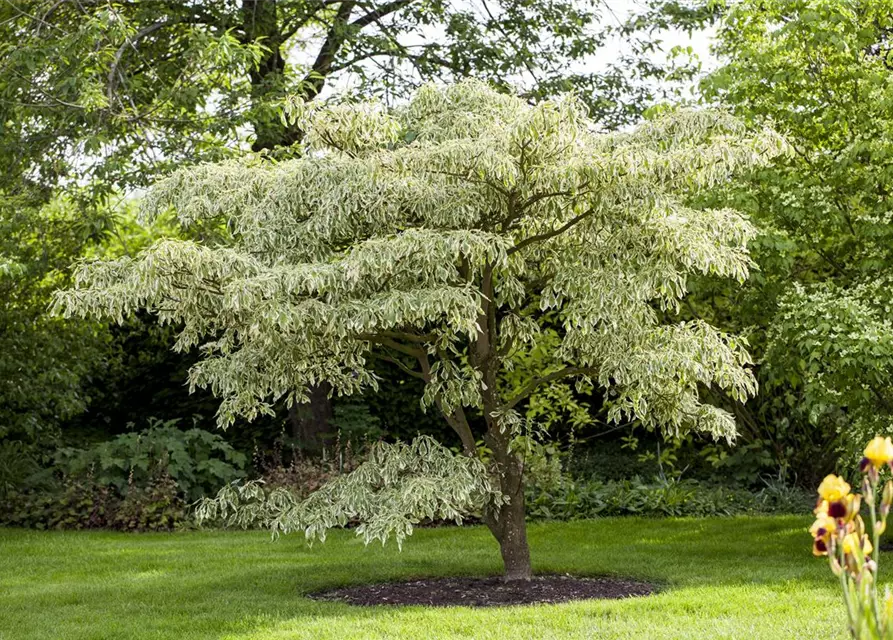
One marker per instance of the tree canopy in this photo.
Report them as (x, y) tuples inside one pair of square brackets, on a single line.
[(42, 359), (99, 99)]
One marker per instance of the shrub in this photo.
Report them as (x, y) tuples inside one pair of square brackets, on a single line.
[(302, 475), (84, 503), (72, 504), (198, 461), (135, 482), (17, 465), (157, 506)]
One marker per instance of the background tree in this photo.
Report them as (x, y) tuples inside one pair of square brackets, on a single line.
[(43, 360), (47, 364), (817, 309), (433, 237), (120, 92)]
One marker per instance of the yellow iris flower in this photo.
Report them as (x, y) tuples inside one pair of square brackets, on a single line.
[(833, 488), (879, 452), (822, 530), (823, 527)]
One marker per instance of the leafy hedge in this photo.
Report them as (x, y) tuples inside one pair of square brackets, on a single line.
[(86, 504)]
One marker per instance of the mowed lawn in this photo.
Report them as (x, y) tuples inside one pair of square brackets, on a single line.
[(739, 578)]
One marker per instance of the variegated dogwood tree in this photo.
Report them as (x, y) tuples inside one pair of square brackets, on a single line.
[(435, 236)]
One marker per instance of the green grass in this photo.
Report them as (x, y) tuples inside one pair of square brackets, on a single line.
[(721, 578)]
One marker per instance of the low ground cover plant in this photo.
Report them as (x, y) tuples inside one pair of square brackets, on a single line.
[(580, 499)]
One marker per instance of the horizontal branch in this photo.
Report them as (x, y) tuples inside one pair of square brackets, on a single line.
[(377, 14), (385, 341), (551, 234), (542, 195), (395, 361), (405, 335)]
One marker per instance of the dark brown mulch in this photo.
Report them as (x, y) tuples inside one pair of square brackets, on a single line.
[(487, 592)]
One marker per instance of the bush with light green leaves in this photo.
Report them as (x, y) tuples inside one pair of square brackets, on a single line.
[(434, 237)]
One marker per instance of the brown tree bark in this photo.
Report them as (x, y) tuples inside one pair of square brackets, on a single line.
[(260, 23), (508, 524), (512, 538)]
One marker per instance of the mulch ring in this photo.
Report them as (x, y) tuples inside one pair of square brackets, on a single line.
[(487, 592)]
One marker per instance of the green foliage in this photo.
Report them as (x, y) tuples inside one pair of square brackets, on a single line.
[(553, 405), (118, 94), (198, 462), (816, 311), (396, 408), (17, 464), (355, 422), (83, 503), (836, 346), (142, 376), (49, 367), (600, 481), (43, 359), (138, 481), (70, 505), (745, 465), (157, 506)]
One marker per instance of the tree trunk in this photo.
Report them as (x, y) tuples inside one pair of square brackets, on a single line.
[(509, 525), (261, 26), (511, 533), (311, 423)]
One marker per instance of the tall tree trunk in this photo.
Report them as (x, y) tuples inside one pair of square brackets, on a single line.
[(508, 525), (311, 423)]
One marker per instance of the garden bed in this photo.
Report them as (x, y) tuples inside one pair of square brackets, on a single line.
[(487, 592)]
